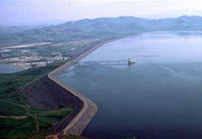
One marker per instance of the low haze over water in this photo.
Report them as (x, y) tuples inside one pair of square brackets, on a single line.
[(158, 97)]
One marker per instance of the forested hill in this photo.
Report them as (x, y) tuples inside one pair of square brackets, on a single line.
[(97, 28)]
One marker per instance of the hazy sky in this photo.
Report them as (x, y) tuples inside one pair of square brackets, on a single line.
[(54, 11)]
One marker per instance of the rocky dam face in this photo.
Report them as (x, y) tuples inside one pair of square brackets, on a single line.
[(47, 95)]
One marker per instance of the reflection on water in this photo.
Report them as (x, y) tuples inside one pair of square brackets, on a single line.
[(158, 97)]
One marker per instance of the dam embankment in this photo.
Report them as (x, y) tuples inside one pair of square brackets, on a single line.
[(53, 94), (89, 109)]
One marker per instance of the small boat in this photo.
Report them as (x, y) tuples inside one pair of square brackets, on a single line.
[(131, 61)]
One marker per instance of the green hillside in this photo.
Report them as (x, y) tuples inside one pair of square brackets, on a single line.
[(98, 28)]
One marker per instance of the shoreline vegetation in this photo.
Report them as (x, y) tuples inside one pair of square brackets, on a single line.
[(19, 118)]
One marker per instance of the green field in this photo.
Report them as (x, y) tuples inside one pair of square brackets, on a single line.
[(17, 118)]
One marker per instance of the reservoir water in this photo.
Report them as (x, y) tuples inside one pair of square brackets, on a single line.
[(8, 68), (159, 97)]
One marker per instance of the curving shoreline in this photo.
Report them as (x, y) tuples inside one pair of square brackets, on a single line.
[(89, 110)]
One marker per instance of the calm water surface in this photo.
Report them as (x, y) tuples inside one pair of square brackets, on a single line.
[(8, 68), (159, 97)]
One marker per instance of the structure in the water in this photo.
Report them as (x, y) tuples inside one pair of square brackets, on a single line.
[(131, 61), (116, 62)]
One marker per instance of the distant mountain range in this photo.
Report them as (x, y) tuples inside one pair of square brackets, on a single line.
[(139, 24), (97, 28)]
